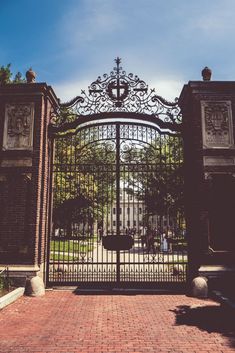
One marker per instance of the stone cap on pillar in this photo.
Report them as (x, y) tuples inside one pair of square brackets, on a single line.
[(13, 90), (208, 88)]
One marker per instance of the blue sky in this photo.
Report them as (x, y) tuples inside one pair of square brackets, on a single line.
[(165, 42)]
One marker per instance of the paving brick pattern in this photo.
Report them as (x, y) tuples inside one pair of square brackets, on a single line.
[(64, 322)]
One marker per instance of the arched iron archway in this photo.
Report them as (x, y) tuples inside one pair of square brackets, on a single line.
[(118, 214)]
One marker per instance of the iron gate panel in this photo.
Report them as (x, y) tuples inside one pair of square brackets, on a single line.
[(118, 180)]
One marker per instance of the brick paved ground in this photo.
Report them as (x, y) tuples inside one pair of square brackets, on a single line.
[(62, 322)]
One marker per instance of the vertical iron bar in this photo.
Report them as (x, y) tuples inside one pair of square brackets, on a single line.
[(50, 208), (118, 195)]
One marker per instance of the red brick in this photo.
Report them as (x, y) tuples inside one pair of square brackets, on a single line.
[(62, 322)]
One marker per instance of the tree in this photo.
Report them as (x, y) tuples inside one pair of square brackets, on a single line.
[(82, 190), (6, 74), (85, 168), (160, 183), (18, 78)]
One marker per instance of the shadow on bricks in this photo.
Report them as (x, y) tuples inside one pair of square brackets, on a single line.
[(208, 318)]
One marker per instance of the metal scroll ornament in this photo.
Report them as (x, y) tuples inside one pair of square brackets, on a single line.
[(118, 92)]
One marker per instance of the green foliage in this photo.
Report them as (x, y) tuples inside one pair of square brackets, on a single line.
[(71, 246), (5, 283), (160, 186), (82, 189), (65, 250), (18, 78), (61, 257), (6, 74), (85, 176)]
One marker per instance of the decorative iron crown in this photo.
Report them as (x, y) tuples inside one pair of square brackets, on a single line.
[(119, 92)]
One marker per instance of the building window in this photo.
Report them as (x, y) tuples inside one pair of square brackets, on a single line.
[(114, 223), (128, 223), (120, 210), (140, 209), (128, 210), (134, 223), (114, 210)]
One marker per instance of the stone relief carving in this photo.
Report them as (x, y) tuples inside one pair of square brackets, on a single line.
[(209, 175), (18, 128), (20, 162), (217, 126), (218, 161)]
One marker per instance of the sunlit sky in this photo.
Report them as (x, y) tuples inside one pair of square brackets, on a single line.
[(69, 43)]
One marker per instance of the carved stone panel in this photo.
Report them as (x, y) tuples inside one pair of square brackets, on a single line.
[(218, 161), (20, 162), (217, 125), (18, 127)]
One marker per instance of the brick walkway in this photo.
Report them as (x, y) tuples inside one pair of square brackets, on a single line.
[(63, 322)]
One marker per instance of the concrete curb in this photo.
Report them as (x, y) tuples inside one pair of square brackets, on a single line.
[(11, 297)]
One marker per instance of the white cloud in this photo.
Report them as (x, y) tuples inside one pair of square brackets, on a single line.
[(90, 19), (160, 41), (168, 89), (216, 20), (68, 90)]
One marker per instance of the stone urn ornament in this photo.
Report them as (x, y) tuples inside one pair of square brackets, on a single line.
[(206, 74), (30, 76)]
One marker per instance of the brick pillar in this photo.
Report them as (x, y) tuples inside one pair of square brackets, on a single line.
[(25, 163), (208, 127)]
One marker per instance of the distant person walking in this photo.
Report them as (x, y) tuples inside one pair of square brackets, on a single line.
[(164, 243)]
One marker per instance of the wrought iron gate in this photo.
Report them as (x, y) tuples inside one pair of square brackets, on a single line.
[(118, 214)]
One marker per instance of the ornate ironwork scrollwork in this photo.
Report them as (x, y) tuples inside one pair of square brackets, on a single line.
[(118, 92)]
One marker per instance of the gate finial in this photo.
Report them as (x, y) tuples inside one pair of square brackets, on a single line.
[(117, 60), (30, 76), (206, 74)]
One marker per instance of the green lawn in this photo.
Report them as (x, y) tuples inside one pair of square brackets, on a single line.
[(70, 246), (62, 257)]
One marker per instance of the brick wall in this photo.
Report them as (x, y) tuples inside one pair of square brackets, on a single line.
[(202, 164), (25, 178)]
